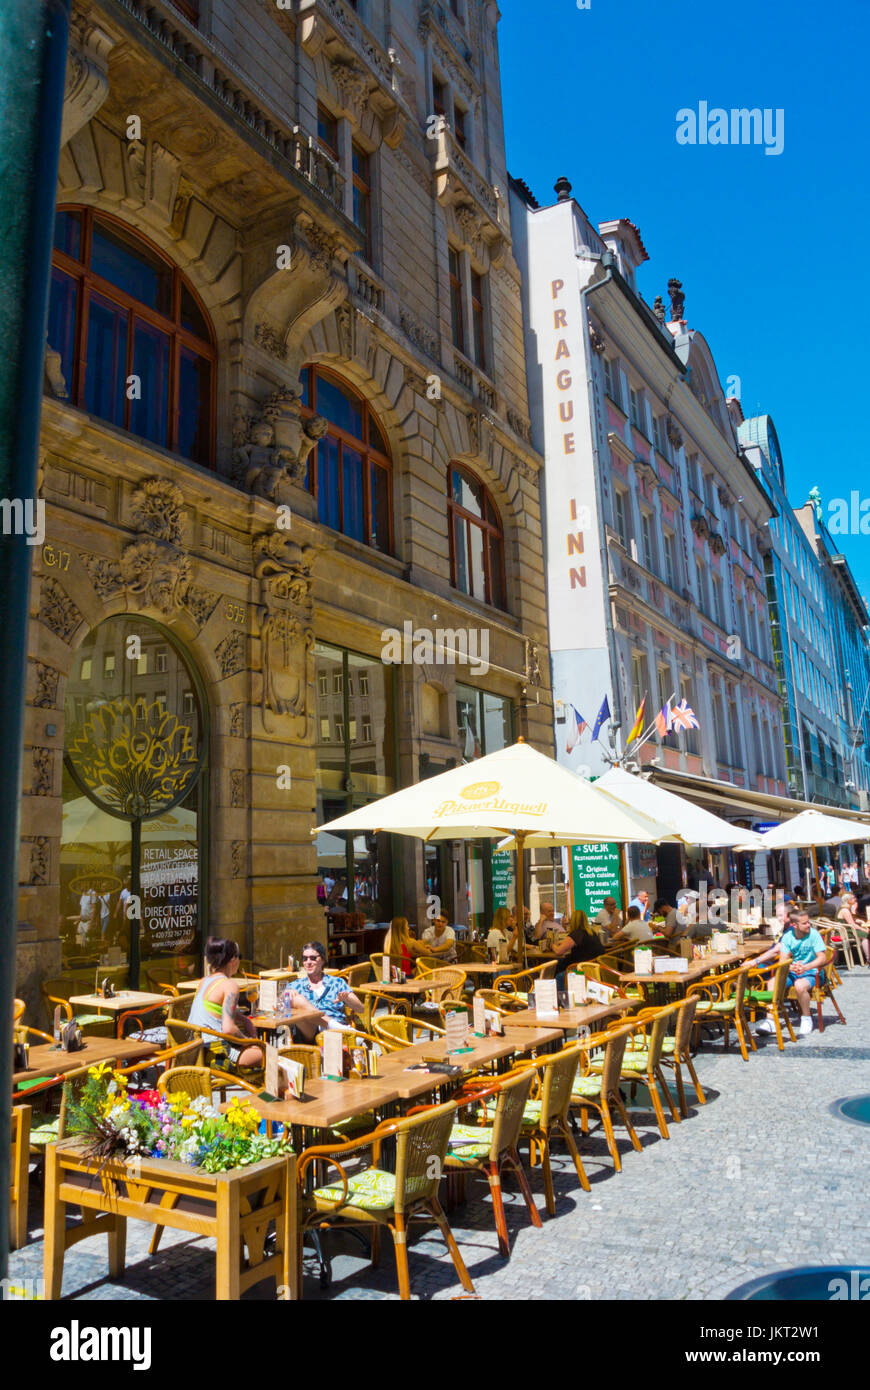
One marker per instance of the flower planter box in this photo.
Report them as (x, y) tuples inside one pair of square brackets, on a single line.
[(234, 1208)]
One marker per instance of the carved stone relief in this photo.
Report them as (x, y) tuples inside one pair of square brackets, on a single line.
[(57, 610), (43, 772), (40, 859), (238, 858), (45, 696), (237, 719), (237, 788), (286, 617), (231, 654), (273, 460)]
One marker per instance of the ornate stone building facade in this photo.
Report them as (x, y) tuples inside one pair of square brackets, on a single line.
[(285, 411)]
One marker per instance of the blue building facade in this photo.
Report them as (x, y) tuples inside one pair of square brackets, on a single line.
[(819, 625)]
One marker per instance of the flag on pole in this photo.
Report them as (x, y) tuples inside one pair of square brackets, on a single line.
[(683, 717), (637, 727), (663, 719), (576, 725), (602, 715)]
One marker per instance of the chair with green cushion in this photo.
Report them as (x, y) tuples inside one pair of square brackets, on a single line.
[(772, 1000), (488, 1148), (49, 1124), (58, 991), (599, 1090), (721, 999), (549, 1114), (19, 1175), (373, 1197), (680, 1053), (642, 1061)]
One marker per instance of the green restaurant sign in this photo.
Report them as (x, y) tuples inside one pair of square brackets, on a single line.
[(595, 876), (502, 878)]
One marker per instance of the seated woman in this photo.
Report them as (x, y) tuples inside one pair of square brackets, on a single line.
[(322, 997), (400, 941), (581, 943), (216, 1003), (503, 929), (848, 913)]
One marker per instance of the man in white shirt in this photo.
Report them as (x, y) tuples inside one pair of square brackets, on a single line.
[(636, 929), (441, 939)]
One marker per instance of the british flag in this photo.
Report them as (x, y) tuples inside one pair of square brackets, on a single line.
[(683, 717)]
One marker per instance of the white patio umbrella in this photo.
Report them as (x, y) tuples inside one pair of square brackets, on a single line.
[(517, 792), (812, 828), (692, 823)]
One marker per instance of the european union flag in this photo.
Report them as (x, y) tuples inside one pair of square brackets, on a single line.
[(603, 713)]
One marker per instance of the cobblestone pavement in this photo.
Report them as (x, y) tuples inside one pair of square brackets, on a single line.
[(762, 1177)]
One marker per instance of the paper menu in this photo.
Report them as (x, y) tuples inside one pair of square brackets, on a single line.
[(643, 962), (577, 991), (502, 952), (602, 994), (546, 1000), (271, 1077), (456, 1029), (670, 965), (386, 971), (295, 1074), (496, 1022), (479, 1016), (332, 1054), (268, 1003)]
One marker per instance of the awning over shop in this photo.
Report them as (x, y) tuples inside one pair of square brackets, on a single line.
[(740, 803)]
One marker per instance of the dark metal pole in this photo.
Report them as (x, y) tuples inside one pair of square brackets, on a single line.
[(33, 46), (136, 890)]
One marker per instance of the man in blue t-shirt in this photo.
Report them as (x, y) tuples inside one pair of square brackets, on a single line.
[(807, 950)]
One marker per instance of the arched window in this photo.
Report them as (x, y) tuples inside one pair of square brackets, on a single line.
[(476, 539), (135, 343), (350, 475)]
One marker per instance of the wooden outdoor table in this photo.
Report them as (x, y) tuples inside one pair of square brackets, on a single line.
[(270, 1023), (483, 967), (540, 955), (123, 1000), (409, 990), (245, 985), (332, 1102), (697, 969), (569, 1019), (45, 1061), (529, 1039)]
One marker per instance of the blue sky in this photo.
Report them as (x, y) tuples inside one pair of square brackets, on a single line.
[(771, 249)]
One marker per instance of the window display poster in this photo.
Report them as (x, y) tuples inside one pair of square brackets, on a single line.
[(170, 884)]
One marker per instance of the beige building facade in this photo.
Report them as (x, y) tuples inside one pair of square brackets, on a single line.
[(285, 424)]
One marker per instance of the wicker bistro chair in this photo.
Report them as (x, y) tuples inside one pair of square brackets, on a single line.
[(57, 991), (641, 1061), (374, 1197), (827, 934), (772, 1000), (522, 984), (548, 1114), (356, 974), (504, 1004), (396, 1031), (489, 1148), (823, 989), (680, 1054), (599, 1090), (721, 999), (213, 1052), (19, 1185)]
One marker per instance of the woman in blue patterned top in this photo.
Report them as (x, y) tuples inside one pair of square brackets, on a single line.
[(325, 996)]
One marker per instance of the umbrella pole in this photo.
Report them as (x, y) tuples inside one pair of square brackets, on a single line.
[(623, 879), (819, 899), (521, 934)]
